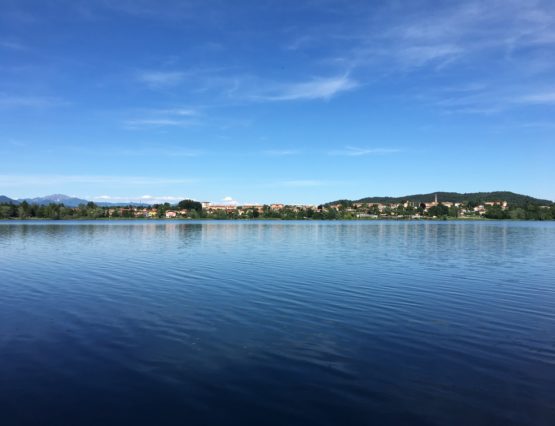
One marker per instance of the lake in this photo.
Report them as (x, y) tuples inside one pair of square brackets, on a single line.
[(271, 322)]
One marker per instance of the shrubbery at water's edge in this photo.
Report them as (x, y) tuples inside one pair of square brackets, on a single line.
[(188, 209)]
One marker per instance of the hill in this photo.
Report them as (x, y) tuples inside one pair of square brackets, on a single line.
[(476, 197), (68, 201), (7, 200), (56, 199)]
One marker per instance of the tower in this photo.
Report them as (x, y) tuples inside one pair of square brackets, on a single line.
[(435, 200)]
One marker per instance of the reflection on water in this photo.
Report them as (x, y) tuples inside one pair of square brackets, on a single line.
[(159, 322)]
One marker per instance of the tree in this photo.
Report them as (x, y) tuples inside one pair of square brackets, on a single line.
[(331, 214), (439, 210), (495, 212), (190, 205), (454, 211), (517, 213), (7, 211), (23, 210), (374, 209), (162, 209)]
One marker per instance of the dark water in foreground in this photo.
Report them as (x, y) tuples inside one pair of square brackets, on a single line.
[(163, 323)]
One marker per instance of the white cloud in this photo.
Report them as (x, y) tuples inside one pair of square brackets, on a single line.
[(230, 200), (280, 152), (158, 122), (545, 98), (172, 117), (156, 152), (402, 36), (161, 79), (10, 101), (351, 151), (492, 100), (317, 88), (468, 28), (11, 44), (249, 88), (422, 55), (187, 112)]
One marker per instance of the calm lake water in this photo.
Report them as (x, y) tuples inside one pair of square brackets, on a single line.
[(328, 323)]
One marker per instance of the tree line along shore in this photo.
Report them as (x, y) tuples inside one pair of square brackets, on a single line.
[(342, 210)]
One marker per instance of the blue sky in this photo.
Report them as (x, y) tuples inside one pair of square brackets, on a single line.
[(275, 101)]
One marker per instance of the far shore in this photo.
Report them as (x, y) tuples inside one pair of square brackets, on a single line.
[(383, 219)]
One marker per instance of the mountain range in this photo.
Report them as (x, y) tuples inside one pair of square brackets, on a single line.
[(66, 200)]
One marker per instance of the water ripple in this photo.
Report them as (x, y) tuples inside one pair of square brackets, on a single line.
[(158, 322)]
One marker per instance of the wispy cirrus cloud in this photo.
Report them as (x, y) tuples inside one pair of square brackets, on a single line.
[(488, 37), (488, 100), (156, 152), (280, 152), (171, 117), (229, 82), (12, 44), (23, 101), (418, 56), (314, 89), (160, 79), (543, 98), (251, 88), (180, 112), (352, 151), (158, 122), (456, 31)]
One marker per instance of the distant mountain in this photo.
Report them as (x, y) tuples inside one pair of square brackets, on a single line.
[(7, 200), (57, 199), (455, 197), (66, 200)]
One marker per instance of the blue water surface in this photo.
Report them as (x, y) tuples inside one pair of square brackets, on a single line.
[(277, 323)]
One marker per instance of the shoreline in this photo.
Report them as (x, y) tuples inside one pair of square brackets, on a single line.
[(447, 219)]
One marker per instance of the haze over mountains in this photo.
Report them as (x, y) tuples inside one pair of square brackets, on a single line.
[(511, 197), (66, 200)]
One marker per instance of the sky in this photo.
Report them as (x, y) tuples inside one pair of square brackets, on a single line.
[(275, 101)]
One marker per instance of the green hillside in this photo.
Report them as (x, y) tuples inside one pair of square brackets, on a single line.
[(455, 197)]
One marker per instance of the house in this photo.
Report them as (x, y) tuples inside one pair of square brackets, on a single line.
[(225, 207), (141, 213), (171, 214)]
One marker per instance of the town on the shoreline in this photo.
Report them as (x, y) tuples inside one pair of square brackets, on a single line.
[(343, 210)]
